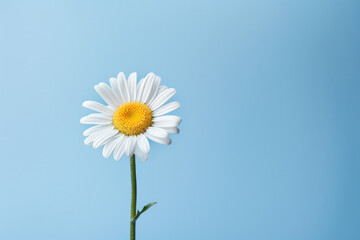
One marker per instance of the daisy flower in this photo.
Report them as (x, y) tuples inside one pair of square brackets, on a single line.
[(133, 114)]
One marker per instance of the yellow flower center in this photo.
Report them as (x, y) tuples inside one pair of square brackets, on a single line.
[(132, 118)]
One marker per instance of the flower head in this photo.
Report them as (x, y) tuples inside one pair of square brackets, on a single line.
[(134, 113)]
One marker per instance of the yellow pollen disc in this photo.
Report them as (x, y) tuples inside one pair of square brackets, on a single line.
[(132, 118)]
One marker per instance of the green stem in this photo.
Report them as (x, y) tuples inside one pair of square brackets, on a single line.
[(133, 196)]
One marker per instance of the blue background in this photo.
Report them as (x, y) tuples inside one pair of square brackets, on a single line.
[(270, 141)]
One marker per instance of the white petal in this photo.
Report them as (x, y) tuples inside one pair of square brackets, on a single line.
[(96, 118), (119, 149), (143, 143), (162, 98), (115, 85), (165, 124), (161, 89), (98, 107), (95, 135), (166, 121), (130, 145), (110, 145), (132, 86), (166, 141), (123, 87), (148, 87), (166, 108), (166, 118), (141, 155), (154, 90), (157, 132), (97, 128), (140, 89), (90, 139), (174, 130), (101, 140), (107, 94), (120, 152)]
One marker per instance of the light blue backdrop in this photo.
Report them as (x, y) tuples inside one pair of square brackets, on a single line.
[(270, 140)]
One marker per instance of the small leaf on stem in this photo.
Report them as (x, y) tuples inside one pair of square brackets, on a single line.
[(146, 207)]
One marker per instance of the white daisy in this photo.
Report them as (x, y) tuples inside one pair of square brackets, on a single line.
[(135, 112)]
